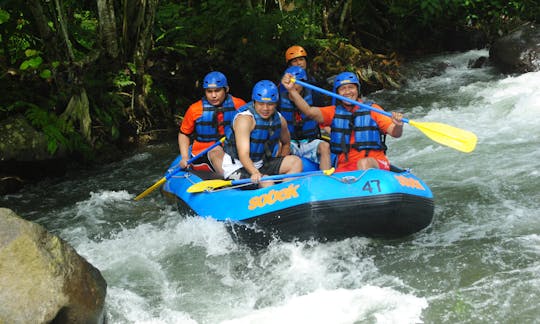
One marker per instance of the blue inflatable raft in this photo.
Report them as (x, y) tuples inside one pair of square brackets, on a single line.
[(371, 203)]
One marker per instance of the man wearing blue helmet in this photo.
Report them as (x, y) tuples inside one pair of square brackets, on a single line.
[(357, 135), (206, 121), (305, 132), (258, 143)]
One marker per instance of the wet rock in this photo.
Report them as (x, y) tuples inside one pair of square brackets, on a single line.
[(24, 155), (519, 51), (477, 63), (43, 279)]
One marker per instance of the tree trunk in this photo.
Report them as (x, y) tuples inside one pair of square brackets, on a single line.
[(41, 23), (63, 29), (107, 23), (138, 22)]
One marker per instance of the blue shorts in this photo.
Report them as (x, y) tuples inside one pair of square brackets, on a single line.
[(306, 149)]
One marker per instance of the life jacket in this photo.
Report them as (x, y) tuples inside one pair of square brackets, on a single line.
[(263, 140), (367, 135), (207, 126), (300, 126)]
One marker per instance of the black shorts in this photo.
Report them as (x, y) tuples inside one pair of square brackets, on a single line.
[(203, 163), (270, 167)]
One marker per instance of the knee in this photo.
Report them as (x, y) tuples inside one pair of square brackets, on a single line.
[(295, 162), (324, 147)]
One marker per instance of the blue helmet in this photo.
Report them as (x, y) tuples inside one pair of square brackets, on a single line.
[(265, 91), (345, 78), (215, 79), (297, 72)]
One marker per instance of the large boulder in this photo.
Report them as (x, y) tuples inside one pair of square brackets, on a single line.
[(43, 279), (519, 51)]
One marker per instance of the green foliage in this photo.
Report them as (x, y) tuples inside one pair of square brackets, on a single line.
[(33, 61), (84, 28), (191, 38), (4, 16), (122, 80), (58, 131)]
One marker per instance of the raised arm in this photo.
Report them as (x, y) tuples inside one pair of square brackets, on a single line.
[(295, 96)]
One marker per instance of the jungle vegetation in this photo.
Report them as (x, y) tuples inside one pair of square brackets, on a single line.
[(95, 72)]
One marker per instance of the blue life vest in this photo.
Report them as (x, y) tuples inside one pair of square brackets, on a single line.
[(367, 135), (264, 138), (206, 126), (299, 129)]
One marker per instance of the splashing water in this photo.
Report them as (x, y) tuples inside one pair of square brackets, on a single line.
[(477, 262)]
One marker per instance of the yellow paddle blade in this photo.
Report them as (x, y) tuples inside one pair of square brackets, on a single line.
[(152, 188), (208, 185), (456, 138)]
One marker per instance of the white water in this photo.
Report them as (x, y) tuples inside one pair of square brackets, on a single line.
[(478, 262)]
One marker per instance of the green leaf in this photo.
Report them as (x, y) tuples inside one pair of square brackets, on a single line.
[(4, 16), (45, 74), (31, 52), (34, 62)]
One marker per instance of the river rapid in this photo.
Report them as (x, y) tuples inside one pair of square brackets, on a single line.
[(479, 261)]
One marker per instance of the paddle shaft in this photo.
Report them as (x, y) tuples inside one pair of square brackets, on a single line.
[(278, 177), (174, 170), (459, 139), (335, 95)]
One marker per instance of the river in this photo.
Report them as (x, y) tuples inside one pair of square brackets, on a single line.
[(479, 261)]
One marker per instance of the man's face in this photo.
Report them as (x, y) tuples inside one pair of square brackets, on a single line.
[(349, 91), (215, 96), (265, 109), (299, 61)]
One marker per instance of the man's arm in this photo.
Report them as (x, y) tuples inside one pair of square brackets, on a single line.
[(285, 138), (311, 112), (243, 126), (392, 126), (396, 128), (183, 144)]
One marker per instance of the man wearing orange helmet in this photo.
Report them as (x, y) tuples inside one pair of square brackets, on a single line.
[(297, 56)]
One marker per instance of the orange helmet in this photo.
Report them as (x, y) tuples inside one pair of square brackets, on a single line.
[(294, 52)]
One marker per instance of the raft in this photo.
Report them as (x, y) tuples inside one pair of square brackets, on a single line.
[(369, 203)]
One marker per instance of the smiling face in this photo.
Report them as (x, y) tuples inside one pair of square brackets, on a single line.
[(215, 96), (349, 91), (265, 109)]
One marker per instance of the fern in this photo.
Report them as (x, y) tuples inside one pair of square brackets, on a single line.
[(57, 130)]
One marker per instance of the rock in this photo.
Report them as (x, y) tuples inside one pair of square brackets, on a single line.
[(519, 51), (24, 156), (43, 279), (478, 63), (22, 142)]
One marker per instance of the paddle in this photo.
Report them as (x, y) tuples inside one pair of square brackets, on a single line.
[(174, 170), (218, 183), (459, 139)]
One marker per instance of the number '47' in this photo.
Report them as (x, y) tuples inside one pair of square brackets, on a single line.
[(372, 185)]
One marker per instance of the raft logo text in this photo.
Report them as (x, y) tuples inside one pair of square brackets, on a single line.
[(273, 196)]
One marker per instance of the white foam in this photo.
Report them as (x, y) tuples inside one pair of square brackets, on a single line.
[(370, 304)]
